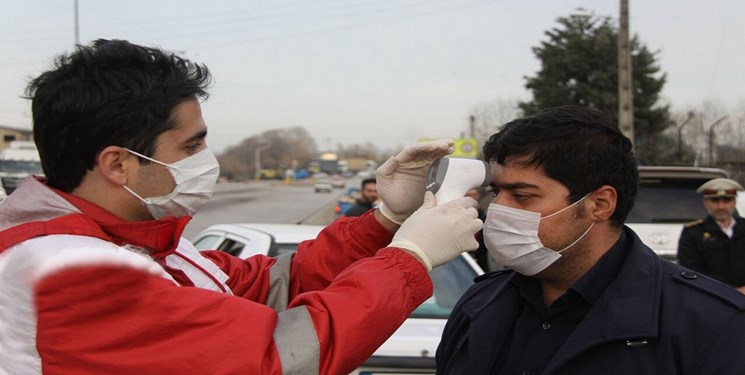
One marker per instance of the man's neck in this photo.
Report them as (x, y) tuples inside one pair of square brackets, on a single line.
[(571, 267), (725, 223)]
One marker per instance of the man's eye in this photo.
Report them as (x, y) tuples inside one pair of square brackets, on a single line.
[(520, 197), (193, 148)]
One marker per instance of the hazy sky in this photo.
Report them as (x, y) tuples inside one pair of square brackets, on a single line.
[(384, 71)]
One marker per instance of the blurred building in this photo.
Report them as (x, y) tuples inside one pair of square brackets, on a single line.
[(11, 133)]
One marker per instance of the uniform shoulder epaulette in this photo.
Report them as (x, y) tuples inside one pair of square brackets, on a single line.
[(711, 287), (693, 223)]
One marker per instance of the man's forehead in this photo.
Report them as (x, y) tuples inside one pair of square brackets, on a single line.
[(517, 175), (516, 170)]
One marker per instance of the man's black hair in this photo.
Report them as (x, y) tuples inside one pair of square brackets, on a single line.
[(370, 180), (111, 92), (577, 146)]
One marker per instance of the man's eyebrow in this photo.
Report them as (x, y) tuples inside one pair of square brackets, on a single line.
[(200, 135), (514, 186)]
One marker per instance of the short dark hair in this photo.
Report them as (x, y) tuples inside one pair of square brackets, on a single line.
[(577, 146), (111, 92), (370, 180)]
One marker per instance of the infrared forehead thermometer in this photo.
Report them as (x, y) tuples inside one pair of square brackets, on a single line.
[(451, 178)]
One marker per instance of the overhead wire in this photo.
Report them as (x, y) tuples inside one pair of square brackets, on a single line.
[(280, 21), (333, 11), (254, 16), (351, 25)]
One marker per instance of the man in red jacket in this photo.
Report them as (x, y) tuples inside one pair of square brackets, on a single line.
[(96, 278)]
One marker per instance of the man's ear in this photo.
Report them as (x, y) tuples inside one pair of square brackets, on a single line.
[(604, 201), (116, 164)]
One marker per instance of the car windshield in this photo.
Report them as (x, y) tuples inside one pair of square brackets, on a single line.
[(21, 166), (450, 282), (667, 200)]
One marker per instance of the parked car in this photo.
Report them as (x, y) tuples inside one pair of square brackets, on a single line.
[(338, 182), (19, 160), (247, 239), (411, 349), (301, 174), (323, 185), (366, 174), (667, 200)]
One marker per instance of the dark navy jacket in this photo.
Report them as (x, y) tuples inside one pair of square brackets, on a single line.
[(705, 248), (655, 318)]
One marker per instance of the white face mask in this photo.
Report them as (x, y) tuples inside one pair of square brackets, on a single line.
[(195, 178), (511, 236)]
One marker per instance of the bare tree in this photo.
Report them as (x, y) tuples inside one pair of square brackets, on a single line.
[(490, 116), (706, 128), (280, 149), (368, 151)]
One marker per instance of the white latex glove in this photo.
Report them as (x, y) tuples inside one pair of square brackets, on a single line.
[(437, 234), (401, 179)]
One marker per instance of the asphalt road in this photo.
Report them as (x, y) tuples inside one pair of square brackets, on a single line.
[(267, 201)]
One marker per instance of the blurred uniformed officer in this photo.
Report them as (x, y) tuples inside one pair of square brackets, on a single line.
[(715, 245)]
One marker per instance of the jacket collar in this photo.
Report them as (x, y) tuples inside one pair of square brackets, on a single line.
[(712, 226), (159, 237)]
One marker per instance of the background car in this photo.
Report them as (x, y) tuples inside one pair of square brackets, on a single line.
[(411, 349), (667, 200), (338, 182), (323, 185), (247, 239), (366, 174)]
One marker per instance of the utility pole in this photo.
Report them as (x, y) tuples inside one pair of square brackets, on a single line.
[(625, 82), (77, 27), (711, 138), (257, 161), (472, 126), (680, 135)]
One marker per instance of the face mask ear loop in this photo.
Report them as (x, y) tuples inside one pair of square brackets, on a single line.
[(133, 193), (567, 207), (148, 158), (578, 239)]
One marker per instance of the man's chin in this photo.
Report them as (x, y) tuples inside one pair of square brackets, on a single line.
[(722, 217)]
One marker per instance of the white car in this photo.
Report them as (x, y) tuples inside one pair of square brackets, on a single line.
[(323, 185), (411, 349), (338, 182), (667, 200)]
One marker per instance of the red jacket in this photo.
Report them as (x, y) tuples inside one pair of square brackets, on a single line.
[(82, 291)]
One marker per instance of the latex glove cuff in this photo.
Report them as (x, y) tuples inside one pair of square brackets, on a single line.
[(401, 243), (398, 219)]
